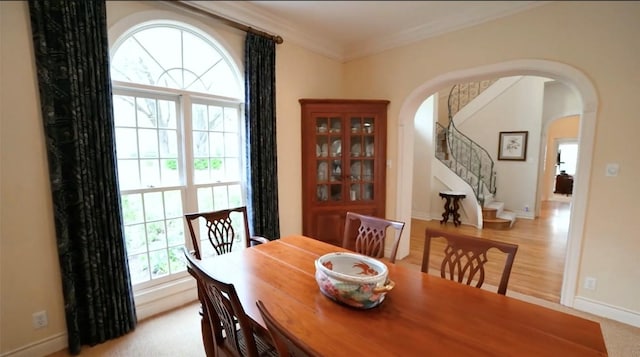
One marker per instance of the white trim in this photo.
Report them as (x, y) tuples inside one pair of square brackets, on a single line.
[(608, 311), (152, 301), (44, 347), (425, 216), (566, 74), (149, 302)]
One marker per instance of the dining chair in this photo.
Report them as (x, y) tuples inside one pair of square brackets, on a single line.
[(230, 330), (222, 231), (285, 342), (369, 237), (465, 258)]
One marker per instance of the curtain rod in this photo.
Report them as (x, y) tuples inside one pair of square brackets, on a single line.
[(183, 4)]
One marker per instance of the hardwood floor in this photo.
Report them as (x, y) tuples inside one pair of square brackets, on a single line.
[(539, 264)]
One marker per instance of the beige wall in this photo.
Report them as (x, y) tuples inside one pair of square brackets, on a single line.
[(30, 276), (29, 272), (596, 38)]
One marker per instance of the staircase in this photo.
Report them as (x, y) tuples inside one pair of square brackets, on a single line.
[(470, 161), (495, 217)]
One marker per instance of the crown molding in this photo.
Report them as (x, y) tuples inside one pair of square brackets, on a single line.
[(251, 15)]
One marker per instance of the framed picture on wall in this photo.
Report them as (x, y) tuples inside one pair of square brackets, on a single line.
[(513, 145)]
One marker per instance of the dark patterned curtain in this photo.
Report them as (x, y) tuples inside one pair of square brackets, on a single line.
[(260, 79), (72, 59)]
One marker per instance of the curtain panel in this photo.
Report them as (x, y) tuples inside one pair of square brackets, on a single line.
[(262, 165), (72, 59)]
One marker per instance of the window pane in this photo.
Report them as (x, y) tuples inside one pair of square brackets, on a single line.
[(199, 56), (126, 143), (146, 110), (131, 63), (139, 268), (205, 199), (167, 114), (132, 209), (199, 113), (168, 143), (215, 119), (169, 172), (217, 171), (216, 141), (232, 169), (156, 235), (150, 173), (148, 143), (175, 232), (220, 197), (159, 262), (153, 206), (201, 171), (231, 120), (166, 56), (176, 263), (235, 196), (123, 111), (136, 239), (222, 80), (200, 144), (231, 145), (173, 204), (128, 174)]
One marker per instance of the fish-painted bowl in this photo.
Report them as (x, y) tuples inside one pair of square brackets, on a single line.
[(353, 279)]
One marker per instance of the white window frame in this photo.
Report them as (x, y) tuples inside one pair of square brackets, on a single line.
[(147, 293)]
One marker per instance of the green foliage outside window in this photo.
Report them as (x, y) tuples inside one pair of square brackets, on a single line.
[(199, 164)]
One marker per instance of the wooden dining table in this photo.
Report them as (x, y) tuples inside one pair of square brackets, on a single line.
[(423, 314)]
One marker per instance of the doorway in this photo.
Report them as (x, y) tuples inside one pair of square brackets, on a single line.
[(558, 71)]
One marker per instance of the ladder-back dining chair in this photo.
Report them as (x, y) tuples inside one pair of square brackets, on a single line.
[(225, 314), (465, 258), (369, 237), (223, 229), (285, 342)]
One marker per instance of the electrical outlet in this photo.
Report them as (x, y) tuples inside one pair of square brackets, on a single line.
[(590, 283), (40, 319)]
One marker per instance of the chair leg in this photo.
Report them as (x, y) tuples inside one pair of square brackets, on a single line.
[(205, 327)]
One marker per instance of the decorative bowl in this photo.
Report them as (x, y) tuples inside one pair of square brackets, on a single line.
[(353, 279)]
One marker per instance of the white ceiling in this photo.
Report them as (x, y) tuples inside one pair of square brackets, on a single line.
[(346, 30)]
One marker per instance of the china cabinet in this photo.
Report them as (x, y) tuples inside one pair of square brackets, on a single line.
[(343, 163)]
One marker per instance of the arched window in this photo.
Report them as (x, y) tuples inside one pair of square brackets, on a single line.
[(177, 111)]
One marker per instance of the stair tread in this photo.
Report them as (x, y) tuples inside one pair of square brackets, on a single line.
[(496, 220)]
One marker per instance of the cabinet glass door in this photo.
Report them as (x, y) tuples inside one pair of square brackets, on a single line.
[(329, 159), (361, 158)]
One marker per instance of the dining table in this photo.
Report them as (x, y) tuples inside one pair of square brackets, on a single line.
[(423, 315)]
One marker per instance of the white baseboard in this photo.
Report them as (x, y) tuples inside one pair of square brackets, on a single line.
[(603, 310), (44, 347), (425, 216), (148, 303)]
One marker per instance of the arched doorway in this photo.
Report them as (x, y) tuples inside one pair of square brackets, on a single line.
[(558, 71)]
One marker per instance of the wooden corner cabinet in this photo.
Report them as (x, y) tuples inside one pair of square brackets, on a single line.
[(343, 163)]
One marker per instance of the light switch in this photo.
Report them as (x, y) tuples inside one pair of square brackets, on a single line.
[(612, 170)]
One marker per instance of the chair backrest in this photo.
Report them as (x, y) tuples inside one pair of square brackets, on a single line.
[(222, 233), (285, 342), (370, 236), (223, 309), (465, 257)]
